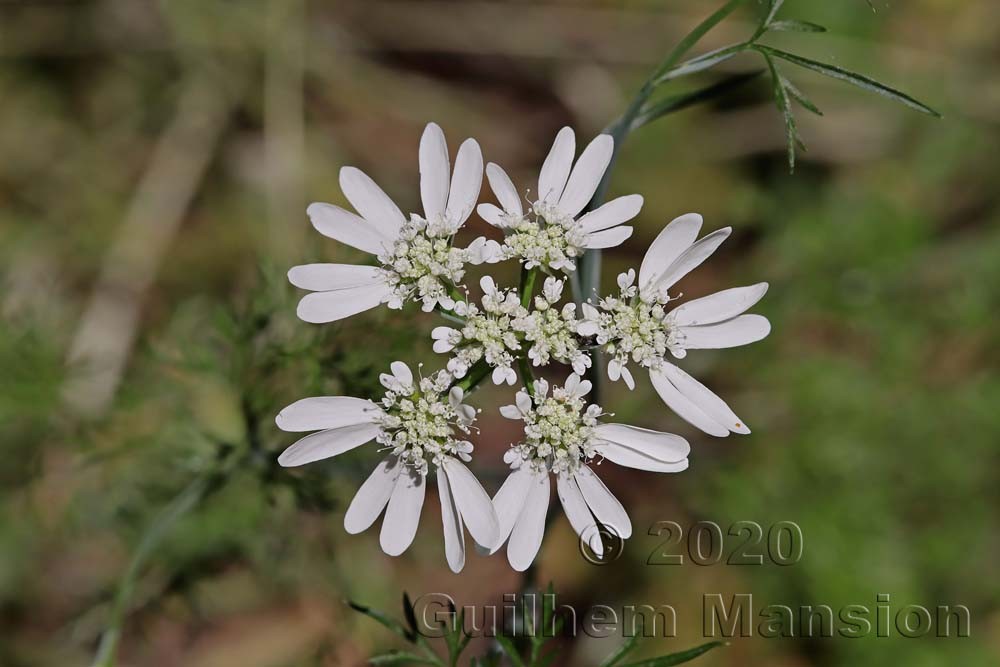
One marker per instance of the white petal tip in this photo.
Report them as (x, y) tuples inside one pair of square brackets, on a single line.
[(393, 551)]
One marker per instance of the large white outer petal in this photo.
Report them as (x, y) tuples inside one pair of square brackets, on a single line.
[(508, 503), (348, 228), (466, 182), (322, 307), (666, 447), (741, 330), (473, 502), (555, 169), (719, 306), (586, 175), (642, 448), (684, 407), (491, 214), (694, 402), (603, 503), (329, 277), (327, 443), (504, 189), (578, 513), (608, 238), (451, 518), (631, 458), (526, 538), (435, 168), (322, 412), (403, 513), (668, 245), (690, 259), (371, 202), (615, 212), (372, 497)]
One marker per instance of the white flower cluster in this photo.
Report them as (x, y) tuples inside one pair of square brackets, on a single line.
[(630, 328), (552, 330), (488, 333), (422, 263), (421, 416), (544, 238), (558, 427), (423, 421), (495, 332)]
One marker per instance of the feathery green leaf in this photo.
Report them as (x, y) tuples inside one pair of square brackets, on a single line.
[(785, 107), (401, 658), (622, 651), (675, 103), (794, 25), (386, 621), (800, 97), (858, 80), (676, 658)]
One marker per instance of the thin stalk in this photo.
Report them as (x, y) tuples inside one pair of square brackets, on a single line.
[(704, 61), (183, 502), (619, 129), (476, 374), (527, 375), (695, 36), (589, 266), (451, 316), (527, 289)]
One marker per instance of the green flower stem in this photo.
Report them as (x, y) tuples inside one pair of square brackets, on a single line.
[(185, 501), (451, 316), (527, 289), (476, 374), (527, 375), (574, 285), (528, 277), (590, 264), (694, 36)]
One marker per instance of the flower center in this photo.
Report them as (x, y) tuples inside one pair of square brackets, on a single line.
[(495, 336), (558, 432), (419, 421), (638, 330), (551, 238), (421, 260), (553, 332)]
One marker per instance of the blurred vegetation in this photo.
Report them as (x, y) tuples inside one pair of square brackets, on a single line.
[(158, 157)]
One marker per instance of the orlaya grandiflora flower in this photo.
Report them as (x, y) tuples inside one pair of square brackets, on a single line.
[(562, 435), (495, 333), (417, 258), (552, 330), (487, 333), (416, 423), (550, 233), (638, 326)]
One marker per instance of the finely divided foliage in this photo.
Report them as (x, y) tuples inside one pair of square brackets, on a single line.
[(422, 423)]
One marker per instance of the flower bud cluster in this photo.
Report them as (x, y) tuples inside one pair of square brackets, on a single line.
[(630, 328), (553, 330), (488, 333), (420, 418), (423, 263), (545, 237), (558, 426)]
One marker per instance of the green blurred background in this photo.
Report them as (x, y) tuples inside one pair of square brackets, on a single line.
[(157, 158)]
